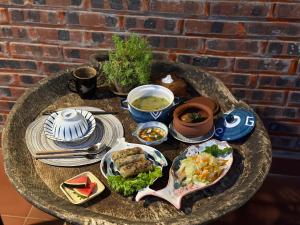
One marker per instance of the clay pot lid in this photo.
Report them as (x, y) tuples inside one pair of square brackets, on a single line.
[(188, 105), (209, 102), (235, 124)]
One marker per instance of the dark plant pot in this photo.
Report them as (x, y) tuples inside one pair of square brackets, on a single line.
[(120, 90), (98, 57)]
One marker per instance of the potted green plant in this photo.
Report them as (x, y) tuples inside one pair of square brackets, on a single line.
[(129, 64)]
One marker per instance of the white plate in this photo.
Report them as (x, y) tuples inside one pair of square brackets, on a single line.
[(108, 168), (108, 130), (194, 140)]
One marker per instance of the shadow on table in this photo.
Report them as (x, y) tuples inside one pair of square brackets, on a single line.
[(225, 183)]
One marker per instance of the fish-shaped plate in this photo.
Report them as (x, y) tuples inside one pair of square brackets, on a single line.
[(174, 191)]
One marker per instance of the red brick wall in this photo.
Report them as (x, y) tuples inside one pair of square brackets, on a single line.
[(254, 47)]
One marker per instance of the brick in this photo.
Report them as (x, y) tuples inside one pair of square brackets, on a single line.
[(55, 3), (54, 67), (3, 118), (177, 7), (3, 15), (285, 142), (179, 43), (58, 36), (160, 56), (6, 32), (207, 62), (29, 80), (76, 2), (16, 15), (39, 2), (11, 93), (7, 79), (73, 18), (239, 9), (36, 51), (19, 79), (16, 64), (37, 16), (213, 63), (282, 48), (18, 2), (279, 82), (63, 35), (78, 54), (130, 23), (236, 80), (3, 49), (154, 24), (92, 19), (275, 112), (135, 5), (279, 127), (282, 29), (170, 25), (267, 65), (6, 105), (259, 96), (97, 3), (212, 27), (99, 39), (234, 46), (287, 11), (294, 98), (111, 21), (116, 4), (16, 33)]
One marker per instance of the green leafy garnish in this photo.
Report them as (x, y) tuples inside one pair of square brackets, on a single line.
[(128, 186), (215, 151)]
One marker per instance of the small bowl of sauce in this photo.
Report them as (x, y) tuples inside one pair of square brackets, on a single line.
[(151, 133)]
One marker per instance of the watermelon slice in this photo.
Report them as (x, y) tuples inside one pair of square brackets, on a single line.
[(85, 191), (81, 181)]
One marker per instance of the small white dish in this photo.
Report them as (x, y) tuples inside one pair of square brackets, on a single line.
[(69, 125), (152, 124), (74, 198), (194, 140)]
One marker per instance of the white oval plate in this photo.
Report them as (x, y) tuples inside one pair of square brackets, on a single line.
[(108, 168)]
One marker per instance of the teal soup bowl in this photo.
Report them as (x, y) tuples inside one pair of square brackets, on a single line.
[(141, 116)]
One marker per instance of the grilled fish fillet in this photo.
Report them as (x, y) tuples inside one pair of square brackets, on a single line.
[(133, 169), (129, 159), (126, 152)]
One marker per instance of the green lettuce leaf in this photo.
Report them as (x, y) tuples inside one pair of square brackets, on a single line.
[(128, 186)]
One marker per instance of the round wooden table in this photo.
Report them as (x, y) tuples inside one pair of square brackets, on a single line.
[(39, 182)]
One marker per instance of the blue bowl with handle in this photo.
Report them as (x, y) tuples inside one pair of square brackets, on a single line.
[(142, 116)]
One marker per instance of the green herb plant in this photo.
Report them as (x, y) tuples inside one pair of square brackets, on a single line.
[(129, 64)]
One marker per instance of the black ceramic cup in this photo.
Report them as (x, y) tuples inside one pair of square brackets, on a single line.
[(84, 81)]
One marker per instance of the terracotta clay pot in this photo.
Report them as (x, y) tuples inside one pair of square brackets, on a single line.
[(207, 101), (193, 129)]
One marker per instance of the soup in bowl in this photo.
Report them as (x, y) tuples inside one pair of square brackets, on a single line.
[(150, 103)]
